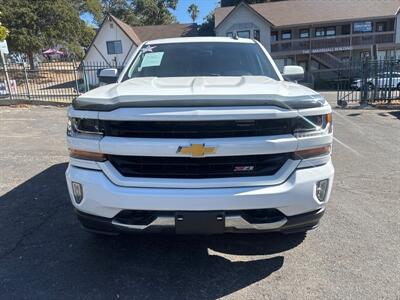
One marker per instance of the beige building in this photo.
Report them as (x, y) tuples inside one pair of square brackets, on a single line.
[(317, 34)]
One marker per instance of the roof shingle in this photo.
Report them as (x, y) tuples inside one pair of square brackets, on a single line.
[(153, 32), (139, 34), (302, 12)]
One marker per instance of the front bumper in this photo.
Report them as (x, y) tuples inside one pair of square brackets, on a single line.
[(103, 200), (233, 223)]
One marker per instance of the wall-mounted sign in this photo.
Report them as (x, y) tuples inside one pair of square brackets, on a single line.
[(332, 49), (3, 47), (362, 26)]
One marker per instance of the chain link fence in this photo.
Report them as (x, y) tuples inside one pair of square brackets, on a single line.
[(58, 82)]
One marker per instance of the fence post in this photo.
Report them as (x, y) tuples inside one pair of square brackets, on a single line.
[(76, 77), (364, 89), (27, 83), (3, 61), (391, 66)]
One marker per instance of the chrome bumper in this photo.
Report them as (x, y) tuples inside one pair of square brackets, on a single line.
[(235, 222)]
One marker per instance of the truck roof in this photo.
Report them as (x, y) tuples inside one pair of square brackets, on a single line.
[(204, 39)]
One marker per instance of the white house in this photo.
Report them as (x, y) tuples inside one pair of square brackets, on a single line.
[(116, 41)]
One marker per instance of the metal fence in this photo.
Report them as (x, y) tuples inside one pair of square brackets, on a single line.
[(49, 81), (365, 81), (369, 81)]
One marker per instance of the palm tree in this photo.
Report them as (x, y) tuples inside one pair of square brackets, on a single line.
[(193, 11)]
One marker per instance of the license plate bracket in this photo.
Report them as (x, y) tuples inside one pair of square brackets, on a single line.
[(189, 222)]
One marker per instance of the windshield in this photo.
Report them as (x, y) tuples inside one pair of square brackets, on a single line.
[(201, 59)]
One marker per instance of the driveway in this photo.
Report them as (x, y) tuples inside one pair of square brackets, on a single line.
[(354, 254)]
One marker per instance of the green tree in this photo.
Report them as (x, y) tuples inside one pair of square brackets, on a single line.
[(207, 28), (94, 7), (155, 12), (122, 9), (35, 25), (3, 32), (132, 12), (193, 11), (85, 38)]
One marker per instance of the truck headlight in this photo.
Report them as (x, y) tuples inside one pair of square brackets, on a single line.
[(313, 125), (83, 126)]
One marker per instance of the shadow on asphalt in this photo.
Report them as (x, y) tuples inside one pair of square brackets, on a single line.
[(395, 114), (353, 115), (44, 253)]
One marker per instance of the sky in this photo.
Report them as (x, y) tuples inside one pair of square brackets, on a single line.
[(205, 6)]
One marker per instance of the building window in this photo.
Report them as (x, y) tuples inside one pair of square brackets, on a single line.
[(330, 31), (390, 25), (114, 47), (304, 33), (286, 35), (229, 34), (244, 34), (359, 27), (256, 34), (319, 32), (274, 36), (380, 26), (346, 29)]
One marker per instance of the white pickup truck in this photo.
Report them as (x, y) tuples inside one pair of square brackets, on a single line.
[(200, 136)]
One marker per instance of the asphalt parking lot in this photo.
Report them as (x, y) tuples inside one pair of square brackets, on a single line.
[(354, 254)]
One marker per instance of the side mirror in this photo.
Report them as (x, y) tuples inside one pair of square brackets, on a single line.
[(293, 73), (108, 76)]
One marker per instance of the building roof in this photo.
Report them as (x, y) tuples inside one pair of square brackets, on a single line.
[(139, 34), (298, 12), (128, 30), (153, 32)]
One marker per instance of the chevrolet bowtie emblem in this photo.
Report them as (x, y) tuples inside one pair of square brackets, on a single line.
[(196, 150)]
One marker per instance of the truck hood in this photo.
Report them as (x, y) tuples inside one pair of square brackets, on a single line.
[(199, 91)]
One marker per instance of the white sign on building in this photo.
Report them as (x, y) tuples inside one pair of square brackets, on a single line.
[(4, 47)]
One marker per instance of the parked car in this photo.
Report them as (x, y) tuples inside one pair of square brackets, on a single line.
[(382, 80), (200, 135)]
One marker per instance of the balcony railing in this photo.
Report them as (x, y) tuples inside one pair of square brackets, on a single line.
[(333, 43)]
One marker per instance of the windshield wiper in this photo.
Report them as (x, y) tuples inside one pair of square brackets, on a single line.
[(211, 74)]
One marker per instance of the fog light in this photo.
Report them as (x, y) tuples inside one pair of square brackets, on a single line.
[(77, 190), (322, 187)]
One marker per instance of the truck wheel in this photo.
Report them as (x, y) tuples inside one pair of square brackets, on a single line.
[(398, 87)]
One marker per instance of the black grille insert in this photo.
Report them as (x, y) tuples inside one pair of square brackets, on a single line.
[(206, 167), (198, 129)]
